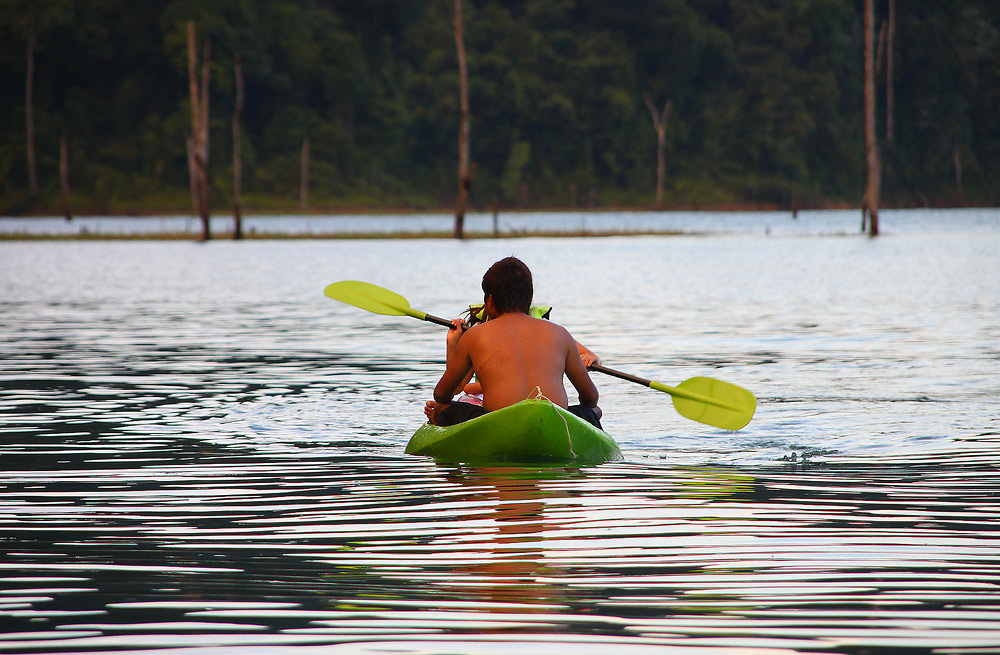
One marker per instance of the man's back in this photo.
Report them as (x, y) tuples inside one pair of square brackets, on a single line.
[(514, 353)]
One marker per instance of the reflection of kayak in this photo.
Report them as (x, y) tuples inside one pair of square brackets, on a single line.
[(529, 431)]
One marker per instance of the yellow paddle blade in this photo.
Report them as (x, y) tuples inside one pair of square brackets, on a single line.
[(372, 298), (713, 402)]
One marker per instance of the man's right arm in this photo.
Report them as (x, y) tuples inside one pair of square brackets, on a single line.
[(454, 336), (458, 367)]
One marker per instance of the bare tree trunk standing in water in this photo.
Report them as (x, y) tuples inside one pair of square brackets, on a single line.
[(957, 161), (199, 132), (660, 125), (887, 169), (237, 156), (889, 95), (464, 173), (192, 177), (870, 205), (304, 175), (29, 110), (64, 176), (206, 211)]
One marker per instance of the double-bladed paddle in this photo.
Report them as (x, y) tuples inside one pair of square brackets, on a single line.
[(706, 400), (378, 300)]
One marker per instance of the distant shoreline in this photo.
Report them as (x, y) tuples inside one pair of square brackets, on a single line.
[(735, 207), (509, 225), (417, 211), (274, 236)]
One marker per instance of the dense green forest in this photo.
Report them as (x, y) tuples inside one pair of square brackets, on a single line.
[(766, 102)]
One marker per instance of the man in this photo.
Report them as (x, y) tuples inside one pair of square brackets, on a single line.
[(513, 355)]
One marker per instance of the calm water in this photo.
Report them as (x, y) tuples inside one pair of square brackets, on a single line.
[(200, 450)]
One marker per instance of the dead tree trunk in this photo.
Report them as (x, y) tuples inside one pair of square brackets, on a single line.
[(199, 133), (192, 177), (64, 176), (304, 177), (464, 170), (956, 157), (194, 149), (205, 187), (660, 125), (237, 155), (887, 172), (889, 94), (871, 149), (29, 110)]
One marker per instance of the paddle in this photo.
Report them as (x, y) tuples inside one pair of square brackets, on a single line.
[(706, 400), (378, 300)]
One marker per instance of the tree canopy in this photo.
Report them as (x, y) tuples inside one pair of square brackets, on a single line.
[(766, 96)]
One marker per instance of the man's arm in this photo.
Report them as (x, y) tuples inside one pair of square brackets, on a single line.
[(457, 370), (578, 376), (454, 336)]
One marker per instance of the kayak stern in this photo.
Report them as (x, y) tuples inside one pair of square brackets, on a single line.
[(530, 431)]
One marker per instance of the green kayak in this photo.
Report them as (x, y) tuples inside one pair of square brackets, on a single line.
[(529, 431)]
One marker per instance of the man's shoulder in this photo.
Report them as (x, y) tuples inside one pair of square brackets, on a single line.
[(549, 327), (498, 326)]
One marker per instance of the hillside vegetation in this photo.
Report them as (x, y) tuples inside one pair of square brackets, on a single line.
[(766, 102)]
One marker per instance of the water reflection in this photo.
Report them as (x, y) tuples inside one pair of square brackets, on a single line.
[(335, 551)]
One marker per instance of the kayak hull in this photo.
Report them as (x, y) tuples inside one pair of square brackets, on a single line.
[(529, 431)]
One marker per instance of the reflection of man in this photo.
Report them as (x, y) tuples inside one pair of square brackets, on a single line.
[(513, 355), (513, 556)]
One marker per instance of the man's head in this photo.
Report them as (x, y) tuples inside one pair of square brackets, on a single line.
[(509, 283)]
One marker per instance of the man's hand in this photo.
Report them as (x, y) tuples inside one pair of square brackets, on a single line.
[(587, 356), (455, 333)]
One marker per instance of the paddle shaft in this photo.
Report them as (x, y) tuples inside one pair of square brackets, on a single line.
[(618, 374), (437, 319), (659, 386)]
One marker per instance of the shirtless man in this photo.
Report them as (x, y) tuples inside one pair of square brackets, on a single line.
[(512, 354)]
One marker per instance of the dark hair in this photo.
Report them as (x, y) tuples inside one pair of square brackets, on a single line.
[(509, 282)]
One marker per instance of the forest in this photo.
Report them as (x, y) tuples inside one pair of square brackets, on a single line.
[(354, 106)]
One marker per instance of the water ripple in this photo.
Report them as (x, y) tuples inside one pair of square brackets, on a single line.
[(685, 557)]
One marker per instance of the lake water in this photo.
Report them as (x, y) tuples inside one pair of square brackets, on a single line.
[(201, 451)]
